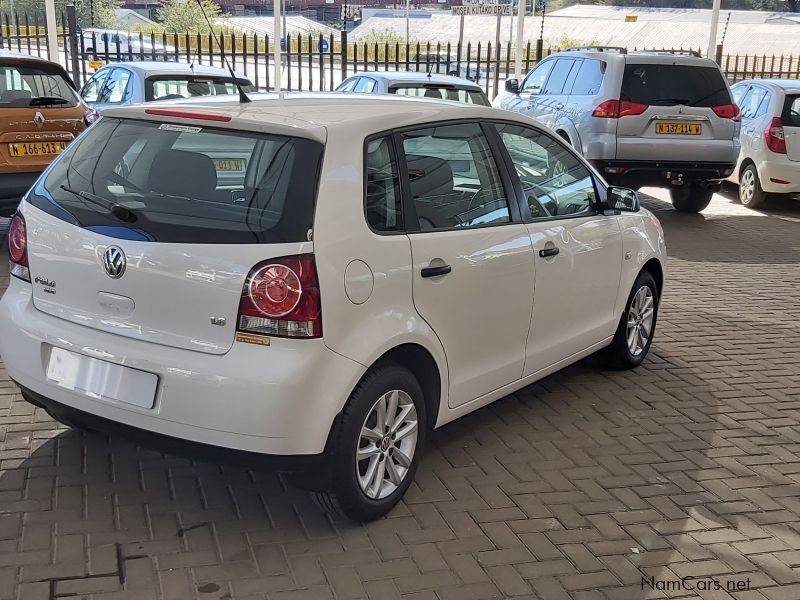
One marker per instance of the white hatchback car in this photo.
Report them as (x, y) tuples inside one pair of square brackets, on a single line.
[(769, 162), (380, 267)]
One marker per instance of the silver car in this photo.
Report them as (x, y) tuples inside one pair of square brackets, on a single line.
[(143, 81), (664, 119), (769, 163), (402, 83)]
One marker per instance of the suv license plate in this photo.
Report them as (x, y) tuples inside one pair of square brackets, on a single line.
[(36, 149), (669, 128)]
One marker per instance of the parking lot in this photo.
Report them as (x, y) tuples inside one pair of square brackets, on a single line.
[(589, 485)]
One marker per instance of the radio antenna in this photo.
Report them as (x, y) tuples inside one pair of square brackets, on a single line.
[(242, 94)]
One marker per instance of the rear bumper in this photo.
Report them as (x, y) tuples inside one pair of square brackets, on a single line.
[(12, 187), (780, 177), (661, 173), (277, 400)]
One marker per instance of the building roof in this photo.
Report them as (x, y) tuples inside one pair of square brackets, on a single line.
[(749, 32)]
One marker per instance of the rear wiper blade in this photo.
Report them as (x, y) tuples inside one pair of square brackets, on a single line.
[(121, 213), (48, 101)]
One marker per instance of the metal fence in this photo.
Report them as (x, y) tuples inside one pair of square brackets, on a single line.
[(312, 63)]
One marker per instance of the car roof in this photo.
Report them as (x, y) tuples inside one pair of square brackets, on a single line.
[(393, 77), (146, 68), (315, 115), (785, 84), (637, 56), (10, 54)]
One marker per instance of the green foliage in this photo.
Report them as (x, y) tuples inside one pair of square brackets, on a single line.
[(187, 15), (97, 13)]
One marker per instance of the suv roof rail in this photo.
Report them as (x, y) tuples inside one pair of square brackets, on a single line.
[(619, 49), (681, 51)]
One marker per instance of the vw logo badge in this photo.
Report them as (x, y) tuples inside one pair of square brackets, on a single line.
[(114, 262)]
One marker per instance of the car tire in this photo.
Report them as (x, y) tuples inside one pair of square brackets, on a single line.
[(691, 198), (628, 348), (751, 194), (357, 450)]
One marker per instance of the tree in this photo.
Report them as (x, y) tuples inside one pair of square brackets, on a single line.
[(187, 15), (91, 13)]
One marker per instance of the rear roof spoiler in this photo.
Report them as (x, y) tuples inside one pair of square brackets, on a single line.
[(618, 49)]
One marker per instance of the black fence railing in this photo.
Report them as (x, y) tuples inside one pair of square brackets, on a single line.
[(312, 62)]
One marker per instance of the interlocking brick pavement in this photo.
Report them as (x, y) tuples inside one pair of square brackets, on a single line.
[(579, 487)]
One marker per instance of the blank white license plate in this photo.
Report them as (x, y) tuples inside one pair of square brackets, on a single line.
[(101, 379)]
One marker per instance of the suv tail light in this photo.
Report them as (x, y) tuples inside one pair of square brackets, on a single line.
[(90, 116), (615, 109), (281, 298), (18, 248), (774, 136), (728, 111)]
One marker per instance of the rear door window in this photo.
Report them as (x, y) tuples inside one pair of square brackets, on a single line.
[(91, 91), (558, 76), (115, 87), (589, 78), (791, 111), (659, 84), (185, 184), (35, 84), (754, 103), (365, 86)]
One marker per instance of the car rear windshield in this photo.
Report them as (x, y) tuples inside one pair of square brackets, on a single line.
[(174, 183), (170, 87), (25, 85), (669, 85), (444, 92)]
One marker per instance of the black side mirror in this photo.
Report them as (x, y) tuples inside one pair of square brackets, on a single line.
[(620, 199), (512, 85)]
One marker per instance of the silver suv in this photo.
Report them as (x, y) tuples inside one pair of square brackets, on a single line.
[(660, 118)]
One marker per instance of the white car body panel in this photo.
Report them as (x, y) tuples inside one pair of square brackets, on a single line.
[(772, 167), (259, 398)]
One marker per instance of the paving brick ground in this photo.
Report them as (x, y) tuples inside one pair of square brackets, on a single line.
[(583, 486)]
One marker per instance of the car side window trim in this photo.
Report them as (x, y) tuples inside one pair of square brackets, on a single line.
[(517, 182), (391, 139)]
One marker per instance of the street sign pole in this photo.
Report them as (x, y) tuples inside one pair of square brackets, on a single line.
[(520, 23), (712, 35), (276, 47)]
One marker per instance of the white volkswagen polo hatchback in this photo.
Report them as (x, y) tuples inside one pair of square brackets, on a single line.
[(318, 280)]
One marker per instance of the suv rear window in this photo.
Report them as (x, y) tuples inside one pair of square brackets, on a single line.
[(661, 84), (171, 87), (177, 183), (25, 85)]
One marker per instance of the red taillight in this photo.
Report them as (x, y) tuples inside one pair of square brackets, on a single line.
[(776, 141), (91, 116), (614, 109), (728, 111), (188, 114), (281, 298), (18, 248)]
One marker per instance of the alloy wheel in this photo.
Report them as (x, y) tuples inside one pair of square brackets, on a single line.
[(747, 187), (387, 444), (640, 320)]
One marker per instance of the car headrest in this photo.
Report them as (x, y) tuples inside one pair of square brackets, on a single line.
[(181, 173), (433, 93), (18, 97), (429, 176)]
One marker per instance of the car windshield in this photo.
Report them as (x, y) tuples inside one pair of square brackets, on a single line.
[(176, 183), (659, 84), (24, 85), (170, 87), (443, 92)]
